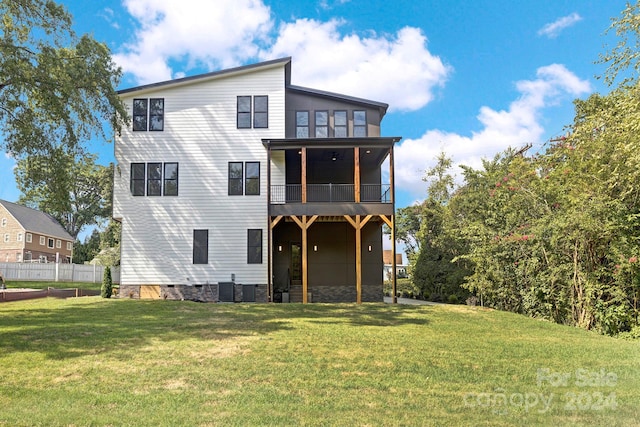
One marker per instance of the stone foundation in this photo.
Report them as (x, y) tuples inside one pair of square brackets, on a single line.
[(345, 293), (204, 292)]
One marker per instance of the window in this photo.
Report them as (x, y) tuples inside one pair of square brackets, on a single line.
[(29, 238), (50, 243), (148, 114), (244, 112), (6, 237), (322, 124), (340, 124), (252, 180), (139, 114), (18, 257), (200, 246), (69, 246), (154, 179), (156, 114), (238, 181), (359, 123), (170, 179), (302, 124), (42, 240), (19, 237), (260, 111), (4, 222), (254, 246), (58, 244), (235, 178)]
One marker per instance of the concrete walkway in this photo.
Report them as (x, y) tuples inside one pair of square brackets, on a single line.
[(411, 301)]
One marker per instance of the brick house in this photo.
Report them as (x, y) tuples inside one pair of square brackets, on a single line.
[(236, 185), (28, 235)]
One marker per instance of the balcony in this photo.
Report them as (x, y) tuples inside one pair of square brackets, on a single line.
[(331, 193)]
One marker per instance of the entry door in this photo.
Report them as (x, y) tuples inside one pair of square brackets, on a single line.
[(296, 264)]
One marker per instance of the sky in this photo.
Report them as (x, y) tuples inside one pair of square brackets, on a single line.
[(468, 78)]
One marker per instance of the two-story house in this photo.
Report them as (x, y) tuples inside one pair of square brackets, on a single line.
[(28, 235), (238, 186)]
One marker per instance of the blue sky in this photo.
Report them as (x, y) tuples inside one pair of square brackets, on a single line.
[(470, 78)]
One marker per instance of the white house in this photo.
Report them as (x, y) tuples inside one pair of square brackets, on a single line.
[(238, 186)]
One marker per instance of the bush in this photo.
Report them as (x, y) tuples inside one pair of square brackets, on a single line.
[(107, 286)]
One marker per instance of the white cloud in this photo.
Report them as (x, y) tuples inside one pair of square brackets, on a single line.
[(514, 127), (396, 69), (553, 29), (219, 34)]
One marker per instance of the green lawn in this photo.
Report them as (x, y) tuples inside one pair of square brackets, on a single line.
[(91, 361), (58, 285)]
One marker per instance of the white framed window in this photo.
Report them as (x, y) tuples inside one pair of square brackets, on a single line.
[(58, 243), (50, 243), (69, 246), (42, 240), (7, 237), (4, 222), (18, 256), (29, 237), (19, 237)]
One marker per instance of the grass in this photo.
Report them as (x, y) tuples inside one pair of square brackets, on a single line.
[(91, 361), (58, 285)]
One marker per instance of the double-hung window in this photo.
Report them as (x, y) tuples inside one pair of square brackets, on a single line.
[(302, 124), (359, 123), (340, 124), (148, 114), (260, 113), (244, 178), (154, 179), (322, 124)]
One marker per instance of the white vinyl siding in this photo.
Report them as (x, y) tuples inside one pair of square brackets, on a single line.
[(201, 135)]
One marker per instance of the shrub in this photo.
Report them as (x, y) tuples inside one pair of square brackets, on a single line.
[(107, 286)]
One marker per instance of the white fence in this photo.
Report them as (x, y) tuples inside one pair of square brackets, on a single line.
[(53, 272)]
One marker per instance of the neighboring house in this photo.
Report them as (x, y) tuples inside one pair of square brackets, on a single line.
[(238, 186), (401, 269), (28, 235)]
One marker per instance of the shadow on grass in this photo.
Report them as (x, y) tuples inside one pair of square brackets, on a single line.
[(63, 329)]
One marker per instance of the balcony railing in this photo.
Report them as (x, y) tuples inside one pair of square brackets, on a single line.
[(331, 193)]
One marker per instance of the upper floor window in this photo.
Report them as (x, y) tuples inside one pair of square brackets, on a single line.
[(19, 237), (359, 123), (42, 240), (260, 112), (148, 114), (69, 246), (238, 181), (50, 243), (322, 124), (340, 124), (302, 124), (6, 237), (58, 243), (4, 222), (154, 179), (29, 237)]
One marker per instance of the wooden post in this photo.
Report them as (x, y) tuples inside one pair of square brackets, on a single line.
[(304, 224), (303, 178), (356, 174), (358, 224)]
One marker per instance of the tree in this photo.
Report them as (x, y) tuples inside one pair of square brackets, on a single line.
[(57, 90), (85, 252), (106, 289), (73, 189)]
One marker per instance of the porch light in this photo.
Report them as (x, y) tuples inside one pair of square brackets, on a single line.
[(368, 151), (315, 248), (279, 248), (369, 248), (334, 156)]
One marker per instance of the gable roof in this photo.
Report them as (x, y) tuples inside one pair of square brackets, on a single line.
[(35, 221), (215, 75)]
